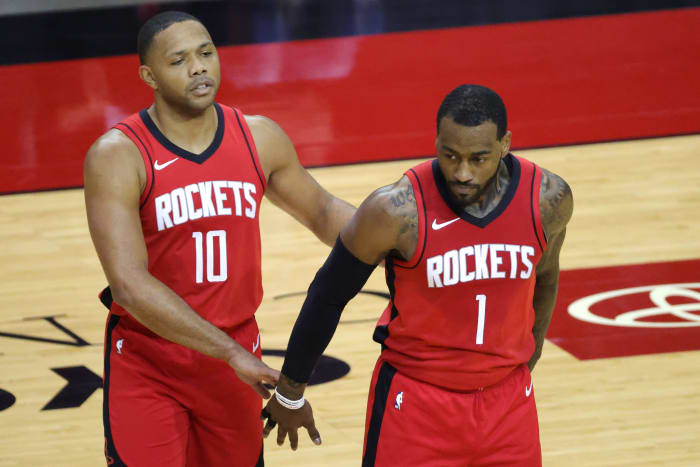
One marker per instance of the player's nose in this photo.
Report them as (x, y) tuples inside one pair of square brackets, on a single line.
[(463, 173), (197, 67)]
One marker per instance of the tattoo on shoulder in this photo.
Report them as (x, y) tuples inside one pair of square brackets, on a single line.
[(556, 202), (403, 197), (406, 210)]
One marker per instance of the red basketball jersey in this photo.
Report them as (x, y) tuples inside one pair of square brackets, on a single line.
[(199, 215), (461, 312)]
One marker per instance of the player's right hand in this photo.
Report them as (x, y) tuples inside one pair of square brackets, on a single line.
[(251, 370), (288, 422)]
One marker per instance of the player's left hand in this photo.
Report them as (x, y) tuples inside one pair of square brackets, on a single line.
[(288, 422)]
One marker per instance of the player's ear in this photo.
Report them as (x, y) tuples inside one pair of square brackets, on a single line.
[(146, 74), (505, 143)]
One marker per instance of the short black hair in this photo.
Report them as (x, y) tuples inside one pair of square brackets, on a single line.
[(472, 105), (156, 24)]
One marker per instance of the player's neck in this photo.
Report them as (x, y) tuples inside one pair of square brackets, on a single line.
[(493, 193), (193, 132)]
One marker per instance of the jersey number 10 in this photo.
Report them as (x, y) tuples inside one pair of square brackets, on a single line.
[(199, 248)]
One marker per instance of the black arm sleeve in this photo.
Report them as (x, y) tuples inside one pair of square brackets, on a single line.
[(340, 278)]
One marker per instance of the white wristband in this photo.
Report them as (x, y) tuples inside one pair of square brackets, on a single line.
[(288, 403)]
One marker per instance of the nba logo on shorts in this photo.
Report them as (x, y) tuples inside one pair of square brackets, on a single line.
[(399, 401), (120, 343)]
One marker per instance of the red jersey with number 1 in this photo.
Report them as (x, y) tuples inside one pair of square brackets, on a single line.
[(461, 312), (199, 215)]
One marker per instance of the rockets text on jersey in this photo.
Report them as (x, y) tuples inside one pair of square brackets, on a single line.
[(479, 262), (205, 199)]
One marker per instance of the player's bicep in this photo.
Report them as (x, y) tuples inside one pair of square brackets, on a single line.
[(112, 193), (547, 271), (373, 231), (289, 186), (295, 191)]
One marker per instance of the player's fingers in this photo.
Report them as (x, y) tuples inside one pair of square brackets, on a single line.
[(262, 390), (281, 434), (293, 439), (268, 427), (313, 433), (272, 376)]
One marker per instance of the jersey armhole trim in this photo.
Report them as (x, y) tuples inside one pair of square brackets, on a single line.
[(417, 257), (251, 149), (150, 180), (535, 207)]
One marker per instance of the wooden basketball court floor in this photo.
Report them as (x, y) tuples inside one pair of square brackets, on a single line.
[(635, 202)]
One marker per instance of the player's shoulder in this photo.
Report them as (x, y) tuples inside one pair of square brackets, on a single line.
[(386, 223), (273, 146), (265, 131), (391, 204), (556, 202), (262, 123), (112, 151)]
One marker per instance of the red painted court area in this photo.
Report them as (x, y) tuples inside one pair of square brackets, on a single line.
[(628, 310), (374, 98)]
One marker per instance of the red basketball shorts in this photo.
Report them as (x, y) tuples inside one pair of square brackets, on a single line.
[(167, 405), (411, 423)]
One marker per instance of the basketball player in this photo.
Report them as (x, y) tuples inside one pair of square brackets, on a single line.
[(173, 196), (471, 241)]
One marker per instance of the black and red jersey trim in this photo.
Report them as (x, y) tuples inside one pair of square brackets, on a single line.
[(111, 454), (514, 169), (532, 206), (258, 170), (150, 160), (381, 395), (425, 225), (177, 150)]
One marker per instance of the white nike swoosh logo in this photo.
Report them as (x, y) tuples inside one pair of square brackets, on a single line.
[(528, 390), (437, 226), (158, 166), (257, 343)]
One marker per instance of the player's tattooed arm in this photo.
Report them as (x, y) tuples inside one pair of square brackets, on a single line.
[(406, 213), (385, 224), (556, 203), (556, 207)]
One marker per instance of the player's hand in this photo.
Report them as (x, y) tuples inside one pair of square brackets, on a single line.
[(288, 422), (251, 370)]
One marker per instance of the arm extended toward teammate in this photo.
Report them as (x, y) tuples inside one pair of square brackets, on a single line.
[(385, 223), (114, 179), (291, 188), (556, 207)]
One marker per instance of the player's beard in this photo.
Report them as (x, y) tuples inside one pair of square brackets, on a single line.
[(188, 106), (481, 191)]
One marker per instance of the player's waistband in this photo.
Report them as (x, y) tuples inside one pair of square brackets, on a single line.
[(127, 321), (453, 379)]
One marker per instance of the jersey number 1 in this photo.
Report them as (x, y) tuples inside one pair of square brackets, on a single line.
[(222, 275), (481, 298)]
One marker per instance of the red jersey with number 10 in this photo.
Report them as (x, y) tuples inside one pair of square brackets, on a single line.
[(199, 215), (461, 312)]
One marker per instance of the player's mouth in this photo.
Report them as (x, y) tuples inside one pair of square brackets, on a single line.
[(464, 190), (202, 87)]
